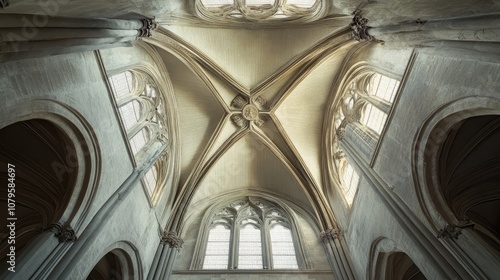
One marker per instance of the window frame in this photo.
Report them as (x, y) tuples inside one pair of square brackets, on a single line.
[(233, 219), (355, 95), (278, 11), (143, 89)]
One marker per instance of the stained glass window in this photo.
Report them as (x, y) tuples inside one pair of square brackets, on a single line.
[(121, 84), (250, 248), (217, 252), (139, 140), (350, 182), (150, 179), (282, 247), (373, 118), (383, 87), (301, 3), (245, 221), (130, 113)]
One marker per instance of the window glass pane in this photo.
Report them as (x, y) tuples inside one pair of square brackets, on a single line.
[(373, 118), (250, 248), (350, 181), (151, 178), (283, 248), (217, 252), (216, 3), (130, 113), (383, 87), (259, 2), (301, 3), (121, 84), (139, 140)]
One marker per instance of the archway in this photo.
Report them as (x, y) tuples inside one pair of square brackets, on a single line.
[(469, 175), (400, 267), (38, 163), (115, 265)]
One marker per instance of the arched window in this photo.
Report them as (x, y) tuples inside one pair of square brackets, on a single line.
[(350, 181), (367, 101), (360, 117), (250, 233), (258, 10), (142, 111)]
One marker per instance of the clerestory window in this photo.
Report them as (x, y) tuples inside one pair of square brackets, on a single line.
[(250, 233), (350, 182), (258, 10), (361, 115), (142, 113), (367, 101)]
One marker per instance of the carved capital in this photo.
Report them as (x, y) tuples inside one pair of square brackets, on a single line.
[(148, 25), (340, 133), (171, 238), (453, 231), (330, 234), (63, 232), (359, 28), (339, 155)]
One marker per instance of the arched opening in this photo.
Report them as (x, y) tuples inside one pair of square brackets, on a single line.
[(469, 175), (39, 170), (400, 267), (115, 265)]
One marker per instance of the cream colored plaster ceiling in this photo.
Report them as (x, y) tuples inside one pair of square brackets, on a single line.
[(301, 113), (270, 141), (251, 56)]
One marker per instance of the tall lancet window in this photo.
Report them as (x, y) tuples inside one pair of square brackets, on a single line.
[(359, 119), (250, 233), (141, 107)]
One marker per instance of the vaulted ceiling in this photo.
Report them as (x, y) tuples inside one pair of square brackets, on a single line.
[(251, 106)]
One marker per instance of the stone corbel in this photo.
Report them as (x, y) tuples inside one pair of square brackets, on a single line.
[(359, 28), (63, 232), (148, 25), (330, 234), (453, 231), (172, 239)]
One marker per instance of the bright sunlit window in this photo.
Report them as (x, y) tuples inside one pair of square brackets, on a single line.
[(350, 182), (258, 233), (257, 10), (373, 118)]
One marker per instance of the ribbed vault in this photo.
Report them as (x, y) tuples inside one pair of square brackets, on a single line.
[(244, 112)]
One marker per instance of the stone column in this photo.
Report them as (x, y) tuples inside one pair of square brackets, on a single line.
[(334, 245), (484, 28), (28, 36), (163, 262)]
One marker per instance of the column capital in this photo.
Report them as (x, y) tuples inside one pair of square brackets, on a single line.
[(63, 232), (453, 231), (148, 25), (330, 234), (359, 28), (172, 239)]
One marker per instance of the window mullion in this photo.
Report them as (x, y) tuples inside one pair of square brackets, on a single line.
[(232, 247), (266, 246), (381, 104)]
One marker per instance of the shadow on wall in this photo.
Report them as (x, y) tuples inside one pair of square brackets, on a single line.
[(35, 165)]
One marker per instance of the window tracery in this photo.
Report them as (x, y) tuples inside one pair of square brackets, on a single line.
[(257, 10), (250, 233), (365, 103), (143, 113)]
